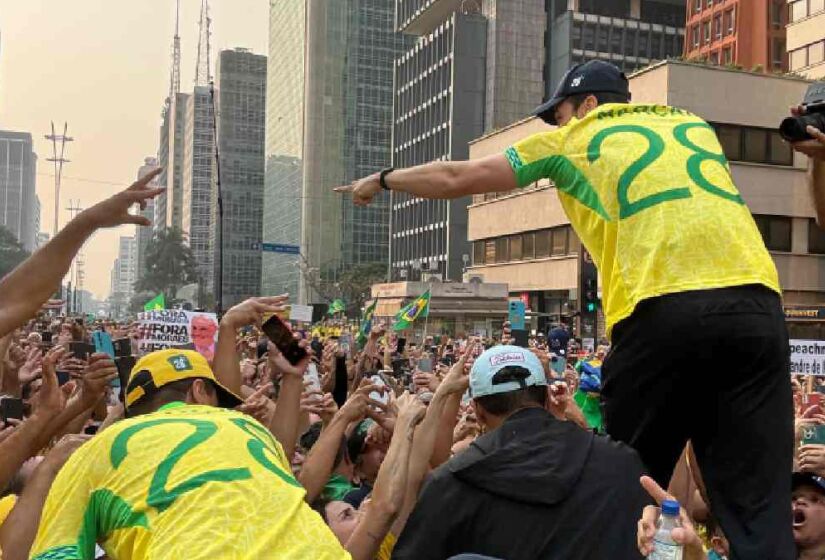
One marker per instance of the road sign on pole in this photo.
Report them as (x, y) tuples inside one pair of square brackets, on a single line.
[(280, 248)]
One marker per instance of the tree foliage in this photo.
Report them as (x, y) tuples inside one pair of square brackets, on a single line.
[(12, 252), (170, 264)]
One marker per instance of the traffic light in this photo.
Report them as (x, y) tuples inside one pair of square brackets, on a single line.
[(591, 296)]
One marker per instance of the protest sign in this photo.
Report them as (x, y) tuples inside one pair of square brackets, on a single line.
[(807, 357), (300, 313), (175, 328)]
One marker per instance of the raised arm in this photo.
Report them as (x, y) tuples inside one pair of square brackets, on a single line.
[(439, 179), (28, 286), (815, 150)]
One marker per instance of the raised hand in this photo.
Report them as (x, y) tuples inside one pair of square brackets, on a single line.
[(251, 311), (50, 399), (646, 528), (114, 211), (100, 372), (362, 190)]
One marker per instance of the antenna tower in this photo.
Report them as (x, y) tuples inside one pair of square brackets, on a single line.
[(174, 78), (203, 75)]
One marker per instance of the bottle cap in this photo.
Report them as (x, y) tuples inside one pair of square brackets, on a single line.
[(670, 507)]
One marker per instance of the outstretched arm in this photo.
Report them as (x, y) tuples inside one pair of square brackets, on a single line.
[(24, 290), (439, 179)]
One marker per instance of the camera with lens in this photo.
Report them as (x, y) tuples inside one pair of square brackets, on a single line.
[(792, 129)]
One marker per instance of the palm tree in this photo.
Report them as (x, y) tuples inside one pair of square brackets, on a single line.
[(170, 264)]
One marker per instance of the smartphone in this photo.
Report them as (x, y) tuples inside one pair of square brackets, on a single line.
[(46, 336), (103, 343), (384, 397), (557, 364), (813, 434), (521, 338), (63, 377), (311, 376), (425, 365), (81, 350), (281, 336), (122, 347), (345, 343), (402, 343), (11, 407)]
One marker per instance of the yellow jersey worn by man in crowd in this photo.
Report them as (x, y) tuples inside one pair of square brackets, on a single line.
[(691, 295), (182, 477)]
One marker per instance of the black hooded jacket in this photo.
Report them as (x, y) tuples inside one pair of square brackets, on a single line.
[(534, 488)]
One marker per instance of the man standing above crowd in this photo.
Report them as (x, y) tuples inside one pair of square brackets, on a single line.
[(691, 294)]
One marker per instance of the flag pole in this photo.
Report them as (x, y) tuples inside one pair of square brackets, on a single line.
[(427, 318)]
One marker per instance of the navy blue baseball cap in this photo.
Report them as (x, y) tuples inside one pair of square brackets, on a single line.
[(593, 76), (800, 478)]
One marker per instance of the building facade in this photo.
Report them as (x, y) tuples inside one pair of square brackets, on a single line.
[(241, 101), (123, 276), (18, 201), (196, 178), (168, 208), (538, 254), (628, 33), (746, 33), (329, 113), (143, 235), (806, 38)]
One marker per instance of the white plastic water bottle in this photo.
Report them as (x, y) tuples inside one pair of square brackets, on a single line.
[(664, 547)]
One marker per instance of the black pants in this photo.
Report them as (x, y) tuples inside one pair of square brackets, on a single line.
[(712, 367)]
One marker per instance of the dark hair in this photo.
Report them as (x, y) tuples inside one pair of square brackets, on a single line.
[(308, 438), (320, 506), (171, 392), (601, 97), (503, 404)]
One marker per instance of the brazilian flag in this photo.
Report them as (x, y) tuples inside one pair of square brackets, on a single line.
[(156, 303), (420, 307), (336, 306), (366, 323)]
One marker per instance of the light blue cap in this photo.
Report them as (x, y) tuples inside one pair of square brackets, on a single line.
[(486, 366)]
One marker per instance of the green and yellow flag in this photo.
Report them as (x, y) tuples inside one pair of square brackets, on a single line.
[(156, 303), (420, 307), (336, 306), (366, 323)]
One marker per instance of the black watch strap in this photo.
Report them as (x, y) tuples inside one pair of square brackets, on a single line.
[(382, 177)]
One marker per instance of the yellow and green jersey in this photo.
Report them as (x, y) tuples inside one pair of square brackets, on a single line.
[(649, 192), (185, 482)]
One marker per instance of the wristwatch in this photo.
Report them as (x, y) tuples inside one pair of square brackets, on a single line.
[(383, 176)]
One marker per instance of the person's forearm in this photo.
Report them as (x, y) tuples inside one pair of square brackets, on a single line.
[(21, 445), (317, 467), (286, 419), (28, 286), (226, 365), (444, 434), (454, 179), (816, 184), (387, 497), (20, 528), (76, 412)]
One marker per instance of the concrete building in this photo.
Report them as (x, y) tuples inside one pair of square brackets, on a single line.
[(143, 235), (629, 33), (196, 182), (241, 100), (471, 308), (537, 254), (747, 33), (168, 207), (329, 112), (806, 38), (123, 276), (18, 201)]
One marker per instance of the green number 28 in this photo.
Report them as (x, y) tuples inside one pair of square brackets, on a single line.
[(655, 148)]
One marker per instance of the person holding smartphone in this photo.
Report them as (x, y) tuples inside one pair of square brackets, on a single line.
[(649, 192), (815, 178)]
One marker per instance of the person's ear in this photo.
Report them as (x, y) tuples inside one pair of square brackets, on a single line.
[(199, 393), (590, 102), (481, 414)]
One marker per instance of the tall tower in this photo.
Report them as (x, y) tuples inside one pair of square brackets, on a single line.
[(203, 74), (174, 78)]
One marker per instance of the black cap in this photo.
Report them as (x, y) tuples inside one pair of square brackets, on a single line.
[(802, 478), (593, 76)]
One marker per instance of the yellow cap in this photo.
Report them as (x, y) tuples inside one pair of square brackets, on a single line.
[(160, 368)]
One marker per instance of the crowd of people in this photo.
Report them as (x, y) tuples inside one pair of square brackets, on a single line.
[(425, 447)]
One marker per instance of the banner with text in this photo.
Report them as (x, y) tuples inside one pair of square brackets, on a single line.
[(808, 357), (175, 328)]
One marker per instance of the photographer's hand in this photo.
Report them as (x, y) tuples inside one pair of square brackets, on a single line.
[(815, 150)]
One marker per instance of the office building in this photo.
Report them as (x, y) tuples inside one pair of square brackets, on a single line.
[(168, 208), (628, 33), (746, 33), (196, 182), (143, 235), (123, 276), (538, 254), (806, 38), (241, 101), (42, 238), (329, 112), (18, 201)]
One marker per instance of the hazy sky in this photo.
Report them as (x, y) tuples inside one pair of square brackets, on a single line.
[(103, 66)]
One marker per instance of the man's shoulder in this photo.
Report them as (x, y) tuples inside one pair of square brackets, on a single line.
[(606, 448)]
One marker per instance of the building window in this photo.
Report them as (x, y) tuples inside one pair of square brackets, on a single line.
[(729, 24), (698, 4), (778, 51), (776, 232), (816, 53), (714, 57), (776, 12), (706, 29), (755, 145), (815, 6), (717, 26), (515, 248), (696, 32), (727, 55), (478, 252), (490, 251), (799, 10), (528, 242), (816, 239), (502, 250), (543, 244), (559, 241), (798, 58)]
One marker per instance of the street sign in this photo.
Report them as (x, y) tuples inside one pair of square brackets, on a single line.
[(280, 248)]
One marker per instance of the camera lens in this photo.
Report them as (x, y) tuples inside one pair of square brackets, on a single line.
[(792, 129)]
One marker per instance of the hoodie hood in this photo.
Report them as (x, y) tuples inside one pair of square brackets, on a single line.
[(532, 457)]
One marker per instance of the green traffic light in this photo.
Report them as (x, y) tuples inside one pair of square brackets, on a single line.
[(591, 307)]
